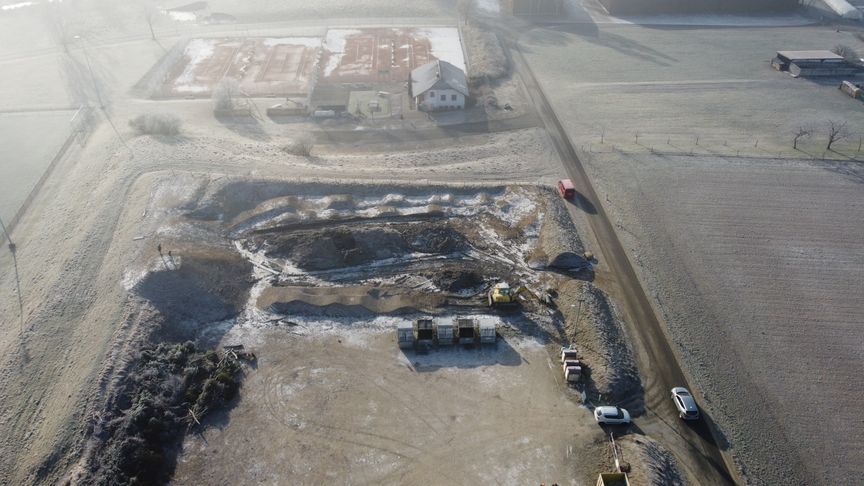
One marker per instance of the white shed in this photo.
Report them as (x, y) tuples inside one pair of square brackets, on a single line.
[(439, 85)]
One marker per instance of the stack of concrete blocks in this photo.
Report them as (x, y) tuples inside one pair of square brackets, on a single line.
[(571, 365)]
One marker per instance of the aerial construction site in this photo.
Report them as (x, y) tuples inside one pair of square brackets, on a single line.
[(460, 242)]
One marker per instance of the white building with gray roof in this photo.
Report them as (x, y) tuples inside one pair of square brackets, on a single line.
[(439, 85)]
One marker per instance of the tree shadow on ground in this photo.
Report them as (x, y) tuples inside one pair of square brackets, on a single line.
[(561, 35), (245, 126)]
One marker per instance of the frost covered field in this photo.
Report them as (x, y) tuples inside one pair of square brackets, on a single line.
[(757, 267)]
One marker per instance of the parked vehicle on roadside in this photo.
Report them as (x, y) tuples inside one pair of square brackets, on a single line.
[(611, 415), (566, 189), (685, 403)]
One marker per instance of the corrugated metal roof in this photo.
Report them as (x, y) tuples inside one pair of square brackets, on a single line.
[(809, 55), (438, 75)]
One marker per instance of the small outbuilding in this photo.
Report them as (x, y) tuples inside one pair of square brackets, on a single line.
[(330, 98), (438, 85), (812, 63)]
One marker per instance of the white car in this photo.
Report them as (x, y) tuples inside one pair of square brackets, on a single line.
[(685, 403), (611, 415)]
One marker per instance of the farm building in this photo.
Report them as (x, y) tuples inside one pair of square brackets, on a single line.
[(330, 97), (438, 85), (812, 63), (636, 7)]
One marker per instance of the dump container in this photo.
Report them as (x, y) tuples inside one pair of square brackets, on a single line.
[(572, 374), (425, 331), (488, 331), (568, 353), (466, 331), (444, 331), (405, 335)]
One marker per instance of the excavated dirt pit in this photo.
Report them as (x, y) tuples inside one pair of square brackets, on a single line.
[(307, 271)]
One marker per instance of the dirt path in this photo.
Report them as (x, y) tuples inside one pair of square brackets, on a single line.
[(698, 446)]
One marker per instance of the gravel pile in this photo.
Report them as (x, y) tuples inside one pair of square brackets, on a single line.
[(558, 245), (593, 324), (651, 464), (347, 246)]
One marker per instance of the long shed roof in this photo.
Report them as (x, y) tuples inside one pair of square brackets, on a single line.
[(438, 75), (809, 55)]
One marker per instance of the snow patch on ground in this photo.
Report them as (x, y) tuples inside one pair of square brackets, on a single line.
[(711, 20), (445, 44), (335, 42), (198, 51), (489, 6)]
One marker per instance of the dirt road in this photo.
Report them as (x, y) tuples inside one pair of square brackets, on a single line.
[(700, 452)]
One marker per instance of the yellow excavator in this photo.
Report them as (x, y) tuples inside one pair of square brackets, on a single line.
[(502, 295)]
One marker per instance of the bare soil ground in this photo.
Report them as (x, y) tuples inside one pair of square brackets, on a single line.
[(348, 407), (756, 266)]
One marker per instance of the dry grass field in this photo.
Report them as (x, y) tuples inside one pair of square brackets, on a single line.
[(757, 267)]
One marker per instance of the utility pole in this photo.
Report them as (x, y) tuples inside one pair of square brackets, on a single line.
[(8, 238), (12, 249)]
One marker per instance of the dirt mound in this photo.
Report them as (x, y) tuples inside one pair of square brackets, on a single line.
[(384, 300), (337, 310), (347, 246), (594, 326), (197, 286), (458, 280), (233, 200), (437, 238), (558, 245), (651, 464)]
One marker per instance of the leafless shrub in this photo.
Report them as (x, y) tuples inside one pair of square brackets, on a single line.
[(837, 131), (847, 52), (156, 124), (302, 146), (803, 132), (225, 93)]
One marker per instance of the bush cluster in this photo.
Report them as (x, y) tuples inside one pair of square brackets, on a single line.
[(170, 383), (156, 124)]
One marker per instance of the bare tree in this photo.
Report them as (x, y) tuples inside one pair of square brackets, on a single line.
[(849, 54), (803, 132), (836, 131), (301, 145), (464, 9), (223, 96), (150, 15)]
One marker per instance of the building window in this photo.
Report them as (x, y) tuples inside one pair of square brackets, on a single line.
[(443, 97), (452, 97), (431, 95)]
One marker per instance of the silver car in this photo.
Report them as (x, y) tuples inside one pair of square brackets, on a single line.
[(611, 415), (685, 403)]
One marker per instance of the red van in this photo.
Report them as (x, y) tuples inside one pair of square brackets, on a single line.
[(565, 187)]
